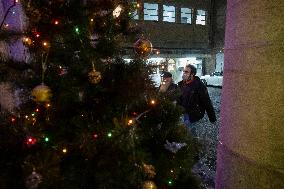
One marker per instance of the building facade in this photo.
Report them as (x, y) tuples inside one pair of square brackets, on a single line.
[(183, 32)]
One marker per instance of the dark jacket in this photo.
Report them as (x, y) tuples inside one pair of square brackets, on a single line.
[(171, 92), (195, 100)]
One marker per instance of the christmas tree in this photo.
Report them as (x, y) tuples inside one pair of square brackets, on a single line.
[(86, 118)]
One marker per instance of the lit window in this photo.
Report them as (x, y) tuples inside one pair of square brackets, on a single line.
[(135, 15), (169, 13), (186, 15), (201, 17), (150, 11)]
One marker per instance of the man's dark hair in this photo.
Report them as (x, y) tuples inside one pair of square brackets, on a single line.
[(192, 68)]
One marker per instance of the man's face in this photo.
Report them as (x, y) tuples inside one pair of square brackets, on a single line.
[(186, 73), (167, 79)]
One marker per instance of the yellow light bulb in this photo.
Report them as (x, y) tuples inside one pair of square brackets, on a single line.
[(64, 150), (130, 122)]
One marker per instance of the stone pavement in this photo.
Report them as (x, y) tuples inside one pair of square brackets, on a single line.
[(207, 134)]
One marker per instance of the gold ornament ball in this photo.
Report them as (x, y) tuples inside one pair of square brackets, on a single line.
[(41, 93), (94, 76), (149, 185), (143, 47)]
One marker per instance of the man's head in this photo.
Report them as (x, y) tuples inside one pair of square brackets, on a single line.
[(189, 72), (167, 76)]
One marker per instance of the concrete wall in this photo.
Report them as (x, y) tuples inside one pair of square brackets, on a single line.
[(251, 150), (17, 22)]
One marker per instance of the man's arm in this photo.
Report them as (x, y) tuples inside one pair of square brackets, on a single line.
[(206, 103)]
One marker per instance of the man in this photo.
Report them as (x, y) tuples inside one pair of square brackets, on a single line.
[(194, 99), (167, 85)]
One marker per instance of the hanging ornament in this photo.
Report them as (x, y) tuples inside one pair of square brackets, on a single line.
[(33, 180), (143, 47), (41, 93), (63, 70), (149, 170), (117, 11), (94, 76), (149, 185), (81, 95), (174, 146)]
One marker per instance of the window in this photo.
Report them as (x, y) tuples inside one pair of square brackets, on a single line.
[(151, 11), (186, 15), (201, 17), (135, 15), (169, 13)]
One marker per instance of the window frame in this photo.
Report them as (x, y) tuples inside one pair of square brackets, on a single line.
[(175, 14), (191, 15), (157, 11), (205, 17)]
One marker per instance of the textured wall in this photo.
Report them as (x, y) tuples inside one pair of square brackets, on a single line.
[(16, 22), (251, 150)]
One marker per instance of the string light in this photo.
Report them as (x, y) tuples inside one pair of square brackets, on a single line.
[(13, 119), (64, 150), (56, 22), (152, 102), (37, 110), (77, 30), (130, 122), (45, 44), (27, 40), (109, 135), (92, 19), (46, 139), (95, 136), (31, 141), (47, 105)]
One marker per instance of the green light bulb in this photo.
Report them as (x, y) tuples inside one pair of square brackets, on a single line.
[(46, 139), (109, 134), (77, 30)]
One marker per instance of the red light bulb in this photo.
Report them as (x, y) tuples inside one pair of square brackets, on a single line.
[(31, 141)]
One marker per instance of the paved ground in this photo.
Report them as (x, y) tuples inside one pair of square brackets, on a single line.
[(208, 137)]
